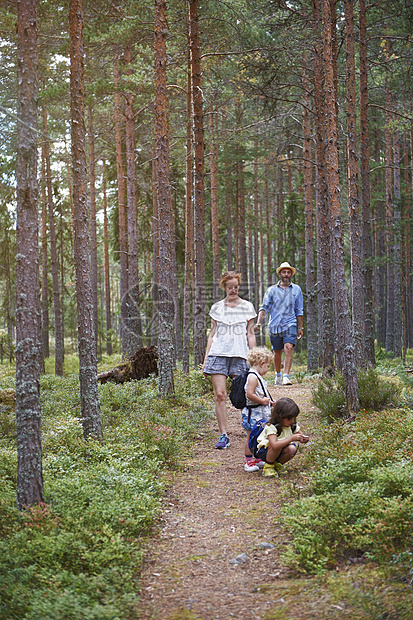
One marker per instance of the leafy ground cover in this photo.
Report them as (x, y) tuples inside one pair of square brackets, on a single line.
[(343, 513), (77, 555)]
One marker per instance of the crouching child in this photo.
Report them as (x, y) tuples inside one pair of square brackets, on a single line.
[(276, 442)]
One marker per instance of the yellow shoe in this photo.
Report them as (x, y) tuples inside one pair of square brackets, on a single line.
[(279, 468), (269, 470)]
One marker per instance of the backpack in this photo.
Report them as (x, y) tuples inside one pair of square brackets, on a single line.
[(257, 430), (237, 394)]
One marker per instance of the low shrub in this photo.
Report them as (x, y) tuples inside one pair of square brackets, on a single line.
[(375, 393)]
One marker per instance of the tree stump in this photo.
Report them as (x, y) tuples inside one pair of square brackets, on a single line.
[(138, 366)]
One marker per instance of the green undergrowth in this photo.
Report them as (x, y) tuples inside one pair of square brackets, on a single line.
[(357, 506), (78, 554)]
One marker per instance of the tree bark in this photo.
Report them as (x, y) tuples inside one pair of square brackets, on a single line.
[(58, 331), (324, 284), (133, 296), (28, 341), (167, 261), (397, 302), (213, 159), (108, 309), (311, 310), (189, 223), (199, 303), (389, 239), (123, 229), (45, 286), (344, 339), (357, 288), (366, 230), (89, 395), (93, 233)]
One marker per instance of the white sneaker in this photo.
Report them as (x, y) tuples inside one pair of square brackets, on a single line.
[(278, 380), (286, 380), (250, 465)]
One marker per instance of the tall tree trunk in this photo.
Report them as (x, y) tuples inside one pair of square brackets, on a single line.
[(255, 280), (324, 284), (28, 342), (242, 241), (312, 352), (366, 231), (155, 257), (342, 317), (166, 231), (389, 239), (213, 159), (189, 223), (93, 233), (229, 222), (199, 304), (133, 297), (397, 247), (123, 230), (357, 288), (89, 395), (109, 349), (45, 286), (58, 330)]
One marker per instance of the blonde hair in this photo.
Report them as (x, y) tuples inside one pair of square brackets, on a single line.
[(229, 275), (259, 355)]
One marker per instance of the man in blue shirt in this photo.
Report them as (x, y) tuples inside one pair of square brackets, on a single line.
[(283, 302)]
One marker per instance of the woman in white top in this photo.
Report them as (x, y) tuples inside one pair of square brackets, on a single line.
[(230, 338)]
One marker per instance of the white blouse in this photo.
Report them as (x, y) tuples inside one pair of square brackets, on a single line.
[(230, 338)]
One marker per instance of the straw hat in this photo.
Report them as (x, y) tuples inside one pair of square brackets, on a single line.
[(286, 266)]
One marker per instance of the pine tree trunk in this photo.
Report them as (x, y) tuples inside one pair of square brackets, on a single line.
[(366, 230), (342, 317), (93, 233), (397, 302), (133, 297), (324, 284), (357, 288), (89, 395), (45, 287), (213, 159), (189, 224), (58, 330), (389, 239), (109, 349), (311, 310), (199, 303), (166, 231), (28, 340), (123, 230)]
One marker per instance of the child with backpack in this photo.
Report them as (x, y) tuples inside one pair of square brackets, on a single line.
[(275, 442), (258, 400)]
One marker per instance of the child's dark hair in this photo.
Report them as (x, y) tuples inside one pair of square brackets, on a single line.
[(283, 409)]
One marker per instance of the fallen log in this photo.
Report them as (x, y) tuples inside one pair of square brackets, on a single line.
[(138, 366)]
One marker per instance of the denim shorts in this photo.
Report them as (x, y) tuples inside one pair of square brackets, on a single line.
[(278, 340), (228, 366)]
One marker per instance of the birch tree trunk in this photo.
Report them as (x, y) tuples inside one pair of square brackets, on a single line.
[(89, 395), (165, 214), (344, 339), (199, 302), (366, 230), (28, 341), (58, 329)]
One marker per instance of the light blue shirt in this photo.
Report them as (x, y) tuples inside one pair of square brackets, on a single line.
[(282, 306)]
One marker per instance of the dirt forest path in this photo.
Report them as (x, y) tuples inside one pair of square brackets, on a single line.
[(216, 552)]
